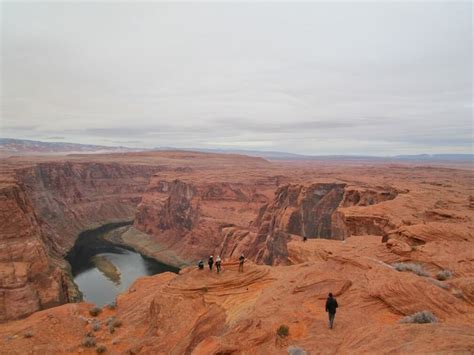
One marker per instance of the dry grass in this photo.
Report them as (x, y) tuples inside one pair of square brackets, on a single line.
[(88, 342), (415, 268)]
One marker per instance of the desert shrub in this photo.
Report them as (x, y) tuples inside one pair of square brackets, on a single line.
[(112, 305), (88, 342), (96, 326), (95, 311), (283, 331), (101, 349), (420, 318), (415, 268), (111, 328), (444, 275), (28, 334)]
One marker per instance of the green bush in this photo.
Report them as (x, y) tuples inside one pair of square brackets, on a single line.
[(283, 331)]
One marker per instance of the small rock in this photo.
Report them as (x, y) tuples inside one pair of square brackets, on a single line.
[(398, 247)]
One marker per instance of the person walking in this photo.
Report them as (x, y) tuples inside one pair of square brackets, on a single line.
[(210, 262), (218, 264), (331, 305), (241, 263)]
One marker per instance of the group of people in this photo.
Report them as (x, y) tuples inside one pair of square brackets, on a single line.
[(331, 302), (218, 263)]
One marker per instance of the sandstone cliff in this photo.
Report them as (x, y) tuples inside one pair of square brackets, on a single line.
[(29, 280), (189, 218), (197, 218), (47, 201), (43, 208)]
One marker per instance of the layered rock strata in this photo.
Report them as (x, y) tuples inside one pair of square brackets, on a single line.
[(201, 312), (42, 210)]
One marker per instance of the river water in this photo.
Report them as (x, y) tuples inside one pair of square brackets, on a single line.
[(102, 269)]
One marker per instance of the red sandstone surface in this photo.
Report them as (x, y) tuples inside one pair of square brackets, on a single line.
[(188, 205)]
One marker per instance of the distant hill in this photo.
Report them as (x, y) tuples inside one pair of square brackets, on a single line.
[(272, 155), (10, 147)]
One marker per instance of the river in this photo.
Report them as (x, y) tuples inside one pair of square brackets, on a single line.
[(101, 269)]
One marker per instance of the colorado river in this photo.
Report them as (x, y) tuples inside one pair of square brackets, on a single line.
[(102, 269)]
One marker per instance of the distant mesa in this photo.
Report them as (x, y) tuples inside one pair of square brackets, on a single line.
[(15, 147)]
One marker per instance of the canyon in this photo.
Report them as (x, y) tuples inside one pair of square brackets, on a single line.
[(359, 219)]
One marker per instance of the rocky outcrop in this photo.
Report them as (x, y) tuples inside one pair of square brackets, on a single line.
[(29, 280), (191, 219), (195, 219), (367, 196), (305, 211)]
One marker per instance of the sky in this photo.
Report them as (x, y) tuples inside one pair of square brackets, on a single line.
[(366, 78)]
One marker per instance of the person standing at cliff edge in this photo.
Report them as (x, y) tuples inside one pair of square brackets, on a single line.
[(210, 262), (331, 305), (218, 264)]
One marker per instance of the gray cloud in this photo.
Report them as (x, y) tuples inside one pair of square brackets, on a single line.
[(313, 78)]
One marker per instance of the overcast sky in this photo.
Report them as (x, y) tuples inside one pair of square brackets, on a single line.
[(317, 78)]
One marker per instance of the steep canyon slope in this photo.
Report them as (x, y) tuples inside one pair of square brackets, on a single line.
[(47, 201), (359, 220)]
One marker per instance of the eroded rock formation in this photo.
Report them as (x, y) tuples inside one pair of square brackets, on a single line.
[(199, 312), (198, 218), (42, 210), (191, 218), (189, 209), (29, 280)]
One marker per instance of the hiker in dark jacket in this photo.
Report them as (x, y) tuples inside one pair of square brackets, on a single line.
[(331, 305), (210, 262), (241, 263), (201, 264)]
